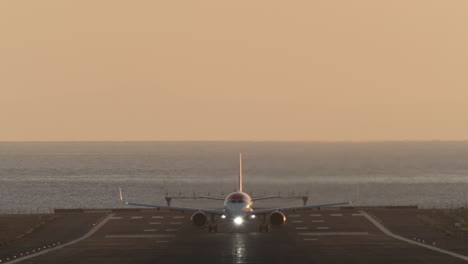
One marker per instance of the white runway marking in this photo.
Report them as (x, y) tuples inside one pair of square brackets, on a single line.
[(171, 230), (310, 239), (336, 215), (302, 228), (136, 217), (297, 221), (157, 217), (150, 230), (175, 223), (334, 234), (318, 221), (178, 217), (294, 215), (116, 217), (138, 236), (390, 234), (323, 227), (155, 223), (315, 215), (90, 233)]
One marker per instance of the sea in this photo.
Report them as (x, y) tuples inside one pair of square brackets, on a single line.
[(36, 177)]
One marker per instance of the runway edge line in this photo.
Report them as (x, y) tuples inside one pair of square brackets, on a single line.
[(90, 233), (389, 233)]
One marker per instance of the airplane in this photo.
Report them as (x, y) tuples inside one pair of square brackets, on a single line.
[(237, 208)]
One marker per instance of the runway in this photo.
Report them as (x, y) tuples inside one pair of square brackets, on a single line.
[(326, 236)]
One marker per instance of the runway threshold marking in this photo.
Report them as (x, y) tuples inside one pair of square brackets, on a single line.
[(334, 234), (138, 236), (390, 234), (90, 233)]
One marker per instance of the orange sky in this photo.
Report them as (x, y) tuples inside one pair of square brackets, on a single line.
[(233, 70)]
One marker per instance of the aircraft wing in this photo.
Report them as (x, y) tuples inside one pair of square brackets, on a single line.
[(209, 211), (210, 198), (266, 211), (264, 198)]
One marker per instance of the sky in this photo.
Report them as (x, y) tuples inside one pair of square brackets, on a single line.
[(321, 70)]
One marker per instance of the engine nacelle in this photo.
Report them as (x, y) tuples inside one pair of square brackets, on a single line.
[(277, 219), (199, 219)]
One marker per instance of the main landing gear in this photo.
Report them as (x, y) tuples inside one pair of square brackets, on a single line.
[(213, 228), (264, 228), (213, 224)]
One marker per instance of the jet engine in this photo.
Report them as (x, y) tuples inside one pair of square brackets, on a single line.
[(199, 219), (277, 219)]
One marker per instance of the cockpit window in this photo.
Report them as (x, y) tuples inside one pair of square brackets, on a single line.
[(236, 201), (237, 198)]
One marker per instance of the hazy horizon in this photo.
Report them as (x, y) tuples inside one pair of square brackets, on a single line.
[(297, 71)]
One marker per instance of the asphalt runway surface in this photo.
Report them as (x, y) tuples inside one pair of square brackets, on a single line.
[(319, 236)]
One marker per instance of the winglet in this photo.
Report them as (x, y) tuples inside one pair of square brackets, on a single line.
[(240, 172)]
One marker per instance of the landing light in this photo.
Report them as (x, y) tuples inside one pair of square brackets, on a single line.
[(238, 220), (223, 216), (253, 216)]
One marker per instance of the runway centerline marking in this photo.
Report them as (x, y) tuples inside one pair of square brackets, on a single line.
[(323, 227), (301, 228), (155, 223), (334, 234), (136, 217), (138, 236), (297, 221), (171, 230), (390, 234), (315, 215), (157, 217), (318, 221)]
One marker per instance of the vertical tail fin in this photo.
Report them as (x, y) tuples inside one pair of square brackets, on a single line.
[(240, 172)]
